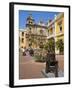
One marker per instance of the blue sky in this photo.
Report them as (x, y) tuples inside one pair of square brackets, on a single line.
[(37, 15)]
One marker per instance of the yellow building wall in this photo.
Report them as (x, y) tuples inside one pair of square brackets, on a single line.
[(59, 34), (23, 44), (59, 37), (57, 31)]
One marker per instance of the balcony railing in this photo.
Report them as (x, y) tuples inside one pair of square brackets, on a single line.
[(51, 35)]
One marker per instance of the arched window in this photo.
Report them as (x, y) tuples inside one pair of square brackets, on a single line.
[(22, 33), (22, 40), (41, 31)]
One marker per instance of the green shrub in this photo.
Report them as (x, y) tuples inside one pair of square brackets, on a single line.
[(39, 58), (60, 46)]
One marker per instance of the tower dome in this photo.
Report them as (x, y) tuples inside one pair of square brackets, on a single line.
[(30, 19)]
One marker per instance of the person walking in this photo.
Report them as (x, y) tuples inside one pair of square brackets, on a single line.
[(24, 52)]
